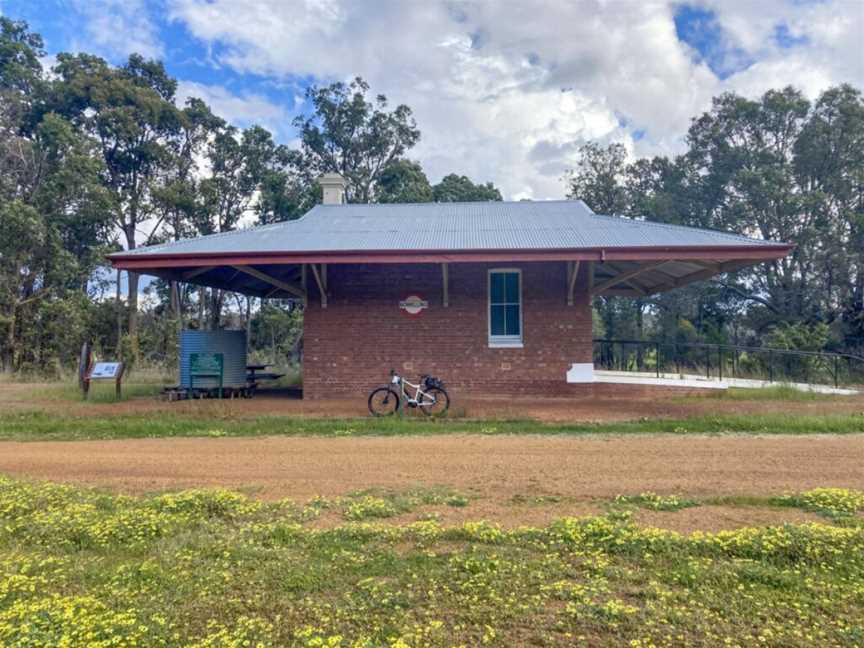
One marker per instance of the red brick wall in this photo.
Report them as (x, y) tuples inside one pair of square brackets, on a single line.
[(351, 345)]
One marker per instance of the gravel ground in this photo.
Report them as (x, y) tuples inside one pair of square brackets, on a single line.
[(493, 469)]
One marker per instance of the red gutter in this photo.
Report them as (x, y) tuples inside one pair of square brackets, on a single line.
[(127, 261)]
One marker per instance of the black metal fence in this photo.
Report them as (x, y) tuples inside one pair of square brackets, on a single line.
[(729, 361)]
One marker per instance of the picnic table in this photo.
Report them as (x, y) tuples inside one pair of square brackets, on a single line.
[(253, 375), (252, 368)]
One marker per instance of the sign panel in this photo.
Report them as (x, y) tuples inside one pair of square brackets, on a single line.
[(105, 370), (413, 305), (205, 363)]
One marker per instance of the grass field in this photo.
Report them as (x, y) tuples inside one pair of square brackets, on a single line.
[(150, 385), (41, 425), (213, 568)]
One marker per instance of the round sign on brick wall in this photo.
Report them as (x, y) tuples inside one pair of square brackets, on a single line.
[(413, 305)]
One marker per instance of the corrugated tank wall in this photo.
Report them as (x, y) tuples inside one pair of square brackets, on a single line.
[(232, 346)]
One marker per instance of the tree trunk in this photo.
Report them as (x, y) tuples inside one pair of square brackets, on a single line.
[(133, 311), (202, 297), (175, 300), (248, 322), (118, 303), (9, 361), (176, 310), (216, 298), (132, 300)]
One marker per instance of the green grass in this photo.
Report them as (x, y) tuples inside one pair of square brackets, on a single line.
[(102, 391), (776, 393), (655, 502), (30, 426), (375, 503), (214, 568)]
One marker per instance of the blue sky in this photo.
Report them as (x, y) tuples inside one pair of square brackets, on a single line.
[(501, 92)]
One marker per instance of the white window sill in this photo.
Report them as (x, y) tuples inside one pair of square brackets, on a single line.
[(505, 344)]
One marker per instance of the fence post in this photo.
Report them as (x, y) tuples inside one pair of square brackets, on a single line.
[(836, 371), (657, 360), (708, 361), (677, 360), (720, 360), (770, 365)]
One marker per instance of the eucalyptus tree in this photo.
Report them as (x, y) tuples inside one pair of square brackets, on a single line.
[(829, 166), (53, 219), (778, 167), (238, 161), (459, 188), (403, 181), (176, 192), (350, 133), (286, 189), (598, 178), (130, 112)]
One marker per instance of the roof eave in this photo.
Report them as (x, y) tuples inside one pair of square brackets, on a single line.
[(127, 261)]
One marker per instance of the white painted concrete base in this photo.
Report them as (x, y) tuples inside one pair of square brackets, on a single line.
[(581, 372), (585, 373), (665, 380)]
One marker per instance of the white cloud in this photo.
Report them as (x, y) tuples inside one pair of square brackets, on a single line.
[(117, 28), (506, 91), (829, 48), (239, 109)]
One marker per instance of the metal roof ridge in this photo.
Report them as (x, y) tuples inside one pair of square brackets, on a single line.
[(460, 202)]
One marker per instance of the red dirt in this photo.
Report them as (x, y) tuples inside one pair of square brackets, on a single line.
[(489, 468), (722, 518)]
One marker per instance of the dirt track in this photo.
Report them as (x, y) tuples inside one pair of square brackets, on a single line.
[(491, 468)]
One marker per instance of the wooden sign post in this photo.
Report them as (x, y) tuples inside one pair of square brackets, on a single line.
[(104, 371)]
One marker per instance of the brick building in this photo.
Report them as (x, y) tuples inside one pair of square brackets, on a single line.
[(494, 297)]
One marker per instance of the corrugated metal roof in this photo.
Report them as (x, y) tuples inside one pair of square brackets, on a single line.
[(525, 225)]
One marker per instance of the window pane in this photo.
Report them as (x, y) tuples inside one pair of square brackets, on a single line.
[(512, 320), (511, 292), (496, 293), (497, 320)]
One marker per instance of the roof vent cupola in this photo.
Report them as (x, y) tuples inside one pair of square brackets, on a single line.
[(333, 185)]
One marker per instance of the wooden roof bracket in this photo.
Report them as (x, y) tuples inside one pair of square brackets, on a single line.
[(321, 280), (572, 273), (700, 275), (191, 274), (624, 276), (273, 281)]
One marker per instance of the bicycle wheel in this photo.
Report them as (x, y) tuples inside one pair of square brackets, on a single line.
[(435, 402), (383, 402)]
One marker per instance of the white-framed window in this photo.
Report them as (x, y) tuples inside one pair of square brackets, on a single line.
[(505, 307)]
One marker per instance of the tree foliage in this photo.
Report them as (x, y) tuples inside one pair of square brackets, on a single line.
[(778, 167), (355, 135), (53, 220), (458, 188), (404, 181)]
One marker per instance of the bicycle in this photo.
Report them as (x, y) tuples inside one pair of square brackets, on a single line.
[(429, 396)]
